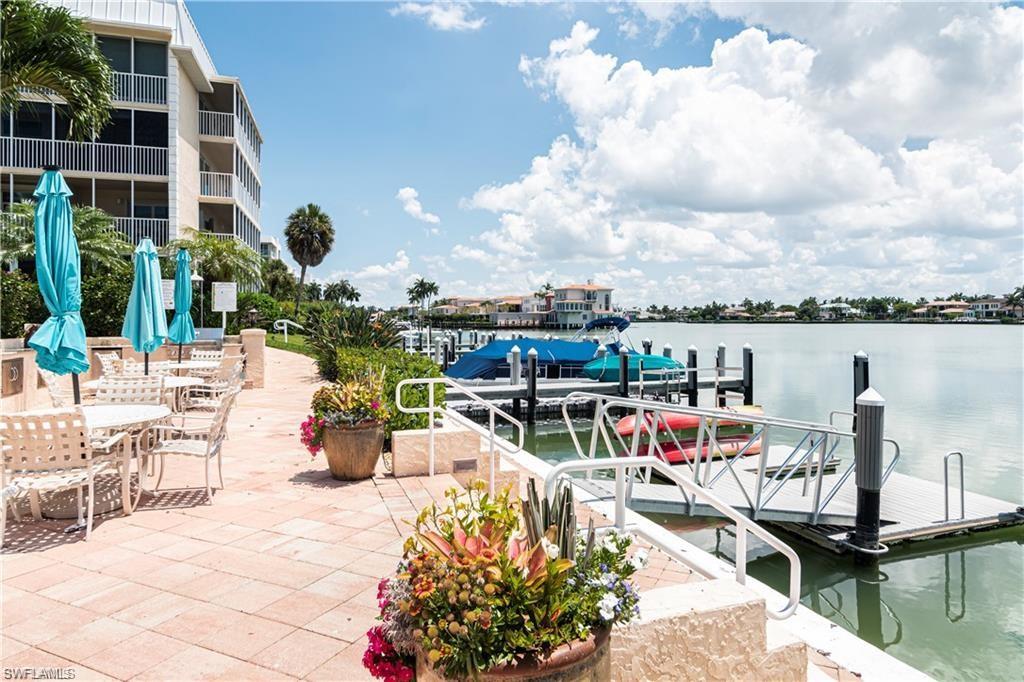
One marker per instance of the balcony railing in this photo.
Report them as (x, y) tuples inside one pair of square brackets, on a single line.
[(216, 123), (92, 157), (137, 229), (215, 184), (139, 87)]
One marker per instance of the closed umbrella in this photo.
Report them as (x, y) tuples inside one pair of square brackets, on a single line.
[(182, 330), (145, 323), (60, 342)]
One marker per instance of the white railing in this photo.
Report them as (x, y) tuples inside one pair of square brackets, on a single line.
[(215, 184), (216, 123), (246, 200), (744, 525), (223, 236), (95, 157), (282, 326), (247, 146), (139, 87), (137, 229), (432, 410), (821, 440)]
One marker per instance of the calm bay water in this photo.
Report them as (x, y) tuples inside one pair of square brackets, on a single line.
[(953, 608)]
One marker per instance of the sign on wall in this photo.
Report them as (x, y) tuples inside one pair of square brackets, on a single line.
[(167, 285), (225, 297)]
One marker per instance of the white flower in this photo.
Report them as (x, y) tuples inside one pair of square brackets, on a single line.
[(550, 548), (639, 559), (608, 542), (607, 605)]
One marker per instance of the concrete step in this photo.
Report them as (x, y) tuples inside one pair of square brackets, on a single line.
[(786, 655)]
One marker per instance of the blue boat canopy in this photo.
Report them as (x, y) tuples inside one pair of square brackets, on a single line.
[(482, 363), (619, 323)]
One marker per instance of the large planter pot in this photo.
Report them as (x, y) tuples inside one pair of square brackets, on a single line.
[(352, 452), (587, 660)]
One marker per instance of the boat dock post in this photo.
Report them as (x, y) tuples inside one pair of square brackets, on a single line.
[(720, 366), (445, 350), (648, 344), (867, 451), (531, 386), (515, 373), (691, 376), (748, 374), (666, 350), (861, 380)]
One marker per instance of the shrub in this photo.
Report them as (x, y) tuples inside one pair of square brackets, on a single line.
[(267, 310), (336, 327), (352, 363), (22, 304), (104, 300)]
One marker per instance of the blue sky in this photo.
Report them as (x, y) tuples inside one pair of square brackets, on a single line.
[(359, 100)]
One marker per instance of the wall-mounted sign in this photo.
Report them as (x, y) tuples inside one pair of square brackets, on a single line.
[(168, 289), (225, 297)]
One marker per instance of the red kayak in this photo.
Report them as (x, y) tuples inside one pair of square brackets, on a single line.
[(680, 422), (729, 445)]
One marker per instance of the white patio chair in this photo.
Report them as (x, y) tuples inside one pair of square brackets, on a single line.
[(203, 355), (134, 389), (209, 396), (60, 392), (110, 363), (197, 436), (51, 451)]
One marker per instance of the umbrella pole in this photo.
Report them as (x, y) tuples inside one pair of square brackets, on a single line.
[(179, 352), (76, 389), (145, 364)]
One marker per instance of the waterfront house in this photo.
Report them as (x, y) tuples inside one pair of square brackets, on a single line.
[(942, 309), (781, 315), (986, 309), (837, 311), (182, 147), (734, 313), (576, 304)]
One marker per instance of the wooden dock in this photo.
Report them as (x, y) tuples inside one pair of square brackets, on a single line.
[(499, 390), (911, 508)]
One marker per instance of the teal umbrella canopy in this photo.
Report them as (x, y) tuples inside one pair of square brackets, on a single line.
[(182, 330), (145, 323), (60, 342)]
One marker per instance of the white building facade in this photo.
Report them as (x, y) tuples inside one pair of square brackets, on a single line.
[(182, 149), (576, 304)]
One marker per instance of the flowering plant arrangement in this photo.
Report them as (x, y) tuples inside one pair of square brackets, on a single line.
[(491, 580), (345, 404)]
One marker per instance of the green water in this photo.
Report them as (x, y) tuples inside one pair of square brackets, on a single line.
[(953, 608)]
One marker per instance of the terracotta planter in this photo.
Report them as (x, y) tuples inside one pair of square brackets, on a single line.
[(352, 453), (588, 660)]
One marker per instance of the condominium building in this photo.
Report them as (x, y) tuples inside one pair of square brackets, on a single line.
[(182, 148), (270, 248)]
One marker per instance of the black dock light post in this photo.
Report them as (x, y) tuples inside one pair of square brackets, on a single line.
[(647, 346), (691, 376), (861, 381), (720, 367), (748, 374), (867, 449), (531, 386)]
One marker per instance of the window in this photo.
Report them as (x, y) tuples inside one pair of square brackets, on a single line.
[(150, 58), (119, 130), (118, 52), (32, 119), (150, 211), (151, 128)]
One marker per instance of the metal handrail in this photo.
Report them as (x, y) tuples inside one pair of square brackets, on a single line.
[(945, 480), (431, 409), (743, 524), (282, 326)]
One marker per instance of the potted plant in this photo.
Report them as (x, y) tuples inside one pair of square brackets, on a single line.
[(494, 588), (348, 425)]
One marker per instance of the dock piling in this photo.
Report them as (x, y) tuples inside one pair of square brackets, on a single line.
[(868, 448), (691, 376), (666, 350), (515, 372), (446, 357), (531, 386), (648, 344), (624, 375), (720, 367), (861, 380), (748, 374)]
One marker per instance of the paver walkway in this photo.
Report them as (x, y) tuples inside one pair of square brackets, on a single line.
[(276, 579)]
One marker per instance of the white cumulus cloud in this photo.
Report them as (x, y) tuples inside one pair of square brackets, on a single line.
[(442, 15), (409, 199)]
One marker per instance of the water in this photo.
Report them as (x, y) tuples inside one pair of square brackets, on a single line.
[(953, 608)]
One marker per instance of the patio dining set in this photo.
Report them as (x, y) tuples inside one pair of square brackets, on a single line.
[(75, 460)]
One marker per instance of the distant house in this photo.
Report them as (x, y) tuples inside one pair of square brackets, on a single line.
[(576, 304), (734, 313), (947, 309), (781, 315), (986, 309), (837, 311)]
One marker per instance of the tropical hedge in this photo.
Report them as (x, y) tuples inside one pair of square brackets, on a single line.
[(104, 300)]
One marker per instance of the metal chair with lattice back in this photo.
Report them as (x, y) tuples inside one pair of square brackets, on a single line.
[(134, 389), (60, 392), (110, 363), (49, 451)]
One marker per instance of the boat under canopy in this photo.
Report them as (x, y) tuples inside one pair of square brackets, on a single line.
[(483, 363), (607, 368)]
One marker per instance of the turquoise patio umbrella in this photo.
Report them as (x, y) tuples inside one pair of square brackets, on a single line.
[(145, 322), (60, 341), (182, 330)]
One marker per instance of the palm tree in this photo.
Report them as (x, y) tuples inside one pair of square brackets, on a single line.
[(341, 291), (1015, 299), (314, 291), (278, 280), (103, 248), (543, 291), (309, 236), (219, 260), (49, 50), (421, 291)]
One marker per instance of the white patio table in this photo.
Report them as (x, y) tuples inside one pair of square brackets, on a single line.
[(130, 418)]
